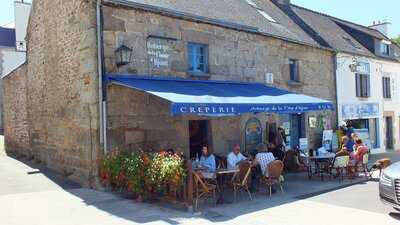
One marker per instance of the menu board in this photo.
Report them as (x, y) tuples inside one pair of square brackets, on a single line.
[(327, 137)]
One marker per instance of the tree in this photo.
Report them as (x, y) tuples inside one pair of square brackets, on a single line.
[(397, 39)]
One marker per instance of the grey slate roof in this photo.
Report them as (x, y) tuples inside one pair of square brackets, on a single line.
[(332, 33), (237, 12), (370, 31)]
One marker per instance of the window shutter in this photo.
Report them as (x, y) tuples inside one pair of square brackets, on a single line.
[(389, 88), (368, 86), (383, 86), (358, 85)]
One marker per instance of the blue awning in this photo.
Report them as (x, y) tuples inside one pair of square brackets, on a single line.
[(221, 98)]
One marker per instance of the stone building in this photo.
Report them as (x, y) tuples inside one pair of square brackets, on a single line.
[(72, 114)]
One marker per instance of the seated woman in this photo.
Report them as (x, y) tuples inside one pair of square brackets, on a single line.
[(207, 160), (293, 162), (343, 151), (360, 150)]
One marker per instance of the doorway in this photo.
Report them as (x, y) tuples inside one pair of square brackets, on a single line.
[(298, 129), (198, 136), (389, 132)]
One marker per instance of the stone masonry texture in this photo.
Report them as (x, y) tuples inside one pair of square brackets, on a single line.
[(137, 120), (61, 128), (52, 102)]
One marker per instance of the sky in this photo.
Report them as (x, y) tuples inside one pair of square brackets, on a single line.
[(363, 12)]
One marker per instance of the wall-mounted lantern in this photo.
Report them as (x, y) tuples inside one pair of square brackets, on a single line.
[(123, 55), (353, 65)]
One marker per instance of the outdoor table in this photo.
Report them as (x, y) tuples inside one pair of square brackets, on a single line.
[(321, 162), (219, 174)]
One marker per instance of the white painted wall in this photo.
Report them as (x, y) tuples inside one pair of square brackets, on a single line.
[(346, 90), (10, 60), (347, 94), (392, 70), (22, 11)]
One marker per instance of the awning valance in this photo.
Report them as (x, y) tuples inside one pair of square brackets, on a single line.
[(221, 98)]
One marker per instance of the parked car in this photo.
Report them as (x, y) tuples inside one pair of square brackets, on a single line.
[(389, 186)]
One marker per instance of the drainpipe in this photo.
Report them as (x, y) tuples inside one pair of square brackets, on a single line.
[(102, 102), (335, 67)]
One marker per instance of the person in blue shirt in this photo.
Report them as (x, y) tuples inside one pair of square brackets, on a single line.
[(351, 142), (207, 159)]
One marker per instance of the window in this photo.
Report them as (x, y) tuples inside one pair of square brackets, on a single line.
[(266, 16), (198, 58), (294, 70), (386, 87), (362, 85), (385, 48), (261, 11)]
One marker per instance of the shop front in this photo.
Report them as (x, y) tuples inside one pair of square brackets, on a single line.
[(366, 122), (162, 113)]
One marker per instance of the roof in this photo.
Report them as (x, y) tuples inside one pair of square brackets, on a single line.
[(240, 12), (7, 37), (368, 30), (331, 32)]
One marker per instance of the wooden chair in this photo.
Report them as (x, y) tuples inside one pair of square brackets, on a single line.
[(363, 166), (340, 164), (203, 189), (242, 181), (274, 172)]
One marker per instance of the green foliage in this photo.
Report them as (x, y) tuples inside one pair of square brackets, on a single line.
[(141, 172), (397, 40)]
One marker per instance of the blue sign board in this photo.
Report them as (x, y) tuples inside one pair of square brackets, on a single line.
[(356, 111)]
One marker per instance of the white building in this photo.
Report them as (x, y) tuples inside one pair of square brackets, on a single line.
[(13, 45), (367, 75)]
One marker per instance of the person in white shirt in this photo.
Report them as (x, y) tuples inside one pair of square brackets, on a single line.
[(263, 158), (235, 157)]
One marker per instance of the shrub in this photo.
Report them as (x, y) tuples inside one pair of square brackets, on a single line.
[(142, 173)]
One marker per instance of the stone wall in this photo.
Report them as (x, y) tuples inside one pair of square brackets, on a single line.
[(159, 46), (16, 125), (62, 95)]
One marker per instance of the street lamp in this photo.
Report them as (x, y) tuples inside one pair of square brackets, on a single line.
[(123, 55)]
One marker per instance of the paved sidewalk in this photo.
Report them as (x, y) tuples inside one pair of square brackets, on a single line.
[(35, 199)]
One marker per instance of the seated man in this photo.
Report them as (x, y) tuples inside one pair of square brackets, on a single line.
[(235, 157), (263, 158)]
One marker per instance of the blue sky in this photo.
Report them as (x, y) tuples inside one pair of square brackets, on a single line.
[(358, 11)]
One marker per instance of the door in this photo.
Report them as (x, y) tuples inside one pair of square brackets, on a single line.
[(198, 136), (389, 132), (298, 129)]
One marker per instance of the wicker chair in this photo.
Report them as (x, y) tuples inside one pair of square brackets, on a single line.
[(242, 181), (340, 164), (363, 166), (274, 171), (203, 189)]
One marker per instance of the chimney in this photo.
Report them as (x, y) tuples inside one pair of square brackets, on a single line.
[(283, 2), (382, 26)]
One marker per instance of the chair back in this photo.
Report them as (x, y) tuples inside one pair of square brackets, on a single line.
[(341, 161), (244, 172), (199, 180), (275, 169), (365, 159)]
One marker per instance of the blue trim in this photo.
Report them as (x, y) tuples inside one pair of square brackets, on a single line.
[(220, 98), (213, 109)]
